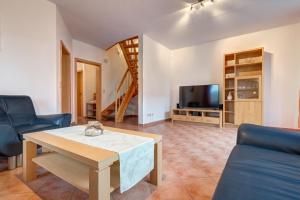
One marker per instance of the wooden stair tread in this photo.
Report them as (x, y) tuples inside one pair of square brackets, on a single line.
[(132, 53), (131, 46)]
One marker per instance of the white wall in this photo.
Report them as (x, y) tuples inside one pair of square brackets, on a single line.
[(88, 52), (156, 81), (62, 35), (203, 64), (28, 52), (117, 67)]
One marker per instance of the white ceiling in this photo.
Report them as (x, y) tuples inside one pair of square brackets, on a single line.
[(170, 22)]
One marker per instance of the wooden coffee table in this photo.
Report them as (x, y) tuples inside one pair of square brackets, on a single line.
[(88, 168)]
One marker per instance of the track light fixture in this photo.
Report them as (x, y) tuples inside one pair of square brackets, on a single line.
[(201, 3)]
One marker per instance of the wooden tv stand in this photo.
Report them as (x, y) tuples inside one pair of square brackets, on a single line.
[(208, 116)]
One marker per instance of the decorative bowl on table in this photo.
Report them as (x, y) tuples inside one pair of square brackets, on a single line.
[(94, 128)]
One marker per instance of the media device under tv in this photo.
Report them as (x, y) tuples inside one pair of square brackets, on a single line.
[(201, 96)]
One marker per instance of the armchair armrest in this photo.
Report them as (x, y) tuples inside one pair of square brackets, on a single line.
[(62, 120), (10, 143), (277, 139)]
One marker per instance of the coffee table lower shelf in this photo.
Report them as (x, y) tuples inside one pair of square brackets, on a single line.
[(72, 171)]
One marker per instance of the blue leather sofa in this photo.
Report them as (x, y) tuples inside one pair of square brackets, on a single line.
[(264, 165), (18, 117)]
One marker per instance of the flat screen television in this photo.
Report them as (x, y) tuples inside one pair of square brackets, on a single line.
[(201, 96)]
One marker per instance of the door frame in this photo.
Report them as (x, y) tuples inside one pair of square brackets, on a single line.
[(63, 49), (98, 86), (77, 88)]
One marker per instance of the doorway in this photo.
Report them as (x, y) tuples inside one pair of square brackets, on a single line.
[(65, 79), (88, 91)]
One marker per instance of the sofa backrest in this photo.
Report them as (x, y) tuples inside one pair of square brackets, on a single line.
[(19, 109), (3, 115), (277, 139)]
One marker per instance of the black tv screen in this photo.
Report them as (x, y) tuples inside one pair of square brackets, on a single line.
[(202, 96)]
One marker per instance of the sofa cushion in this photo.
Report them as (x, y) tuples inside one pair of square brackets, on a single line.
[(260, 174), (19, 109), (23, 129)]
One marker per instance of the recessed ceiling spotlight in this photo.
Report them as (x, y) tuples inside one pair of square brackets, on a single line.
[(201, 3)]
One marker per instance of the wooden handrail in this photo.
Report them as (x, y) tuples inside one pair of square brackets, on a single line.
[(123, 86)]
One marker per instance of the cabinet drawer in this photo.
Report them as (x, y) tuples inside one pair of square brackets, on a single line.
[(195, 119), (211, 120)]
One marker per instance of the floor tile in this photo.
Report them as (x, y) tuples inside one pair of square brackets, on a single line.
[(193, 159)]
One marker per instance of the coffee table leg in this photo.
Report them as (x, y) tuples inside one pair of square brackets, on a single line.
[(156, 174), (99, 184), (29, 167)]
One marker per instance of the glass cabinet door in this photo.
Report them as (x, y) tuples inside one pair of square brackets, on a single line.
[(248, 88)]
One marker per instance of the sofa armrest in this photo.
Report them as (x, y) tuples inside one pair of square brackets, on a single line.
[(10, 143), (277, 139), (62, 120)]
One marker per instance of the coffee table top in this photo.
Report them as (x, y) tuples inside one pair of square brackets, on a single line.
[(89, 155)]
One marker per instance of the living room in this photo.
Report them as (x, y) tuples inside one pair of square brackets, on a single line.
[(216, 83)]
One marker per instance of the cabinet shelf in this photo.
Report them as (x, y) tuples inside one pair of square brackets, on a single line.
[(250, 89), (247, 64), (91, 110)]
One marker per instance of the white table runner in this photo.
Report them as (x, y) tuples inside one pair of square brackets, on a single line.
[(136, 153)]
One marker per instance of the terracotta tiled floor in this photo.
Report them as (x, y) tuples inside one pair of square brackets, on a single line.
[(193, 159)]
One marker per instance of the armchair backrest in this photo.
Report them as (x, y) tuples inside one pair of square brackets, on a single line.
[(19, 109)]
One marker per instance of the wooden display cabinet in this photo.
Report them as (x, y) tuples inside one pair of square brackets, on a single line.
[(243, 79)]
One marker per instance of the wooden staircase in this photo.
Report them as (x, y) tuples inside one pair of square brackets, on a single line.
[(128, 87)]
